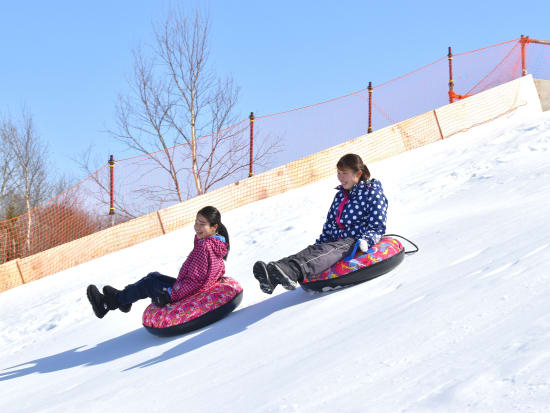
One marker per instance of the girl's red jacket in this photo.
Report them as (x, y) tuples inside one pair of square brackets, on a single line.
[(202, 268)]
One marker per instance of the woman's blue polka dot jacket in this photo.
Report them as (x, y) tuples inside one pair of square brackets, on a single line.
[(363, 216)]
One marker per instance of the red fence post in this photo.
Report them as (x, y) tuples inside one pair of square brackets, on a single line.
[(111, 191), (523, 40), (369, 130), (451, 83), (250, 172)]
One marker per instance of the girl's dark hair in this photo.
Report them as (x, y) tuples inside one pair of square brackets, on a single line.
[(355, 163), (214, 217)]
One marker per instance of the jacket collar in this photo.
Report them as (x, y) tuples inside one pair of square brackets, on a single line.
[(218, 237), (357, 187)]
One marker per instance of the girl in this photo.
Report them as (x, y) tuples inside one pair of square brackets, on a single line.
[(357, 218), (202, 268)]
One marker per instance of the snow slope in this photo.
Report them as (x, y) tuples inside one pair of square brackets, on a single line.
[(462, 326)]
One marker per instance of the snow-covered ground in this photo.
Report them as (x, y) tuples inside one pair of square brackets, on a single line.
[(462, 326)]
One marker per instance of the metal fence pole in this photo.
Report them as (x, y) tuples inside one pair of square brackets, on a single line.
[(523, 40), (111, 192), (369, 130), (250, 172), (451, 83)]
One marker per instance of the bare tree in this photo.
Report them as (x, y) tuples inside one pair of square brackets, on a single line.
[(7, 179), (179, 112), (37, 210), (29, 167)]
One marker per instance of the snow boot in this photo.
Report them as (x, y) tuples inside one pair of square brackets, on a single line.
[(111, 297), (278, 274), (97, 300), (260, 273)]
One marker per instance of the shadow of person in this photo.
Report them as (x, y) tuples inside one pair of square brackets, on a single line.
[(237, 322), (104, 352), (139, 339)]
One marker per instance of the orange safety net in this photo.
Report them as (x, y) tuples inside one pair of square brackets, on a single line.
[(456, 96), (148, 190)]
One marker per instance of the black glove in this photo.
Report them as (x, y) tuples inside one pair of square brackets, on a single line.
[(162, 298)]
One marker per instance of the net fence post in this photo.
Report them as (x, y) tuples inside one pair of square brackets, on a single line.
[(369, 130), (251, 170), (111, 189), (451, 83), (523, 41)]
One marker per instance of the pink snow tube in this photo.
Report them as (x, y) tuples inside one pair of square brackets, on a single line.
[(379, 259), (196, 311)]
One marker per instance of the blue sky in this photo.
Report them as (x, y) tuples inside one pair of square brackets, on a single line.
[(67, 61)]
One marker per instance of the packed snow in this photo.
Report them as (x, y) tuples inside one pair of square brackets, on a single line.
[(461, 326)]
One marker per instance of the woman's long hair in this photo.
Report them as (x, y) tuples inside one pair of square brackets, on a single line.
[(214, 217)]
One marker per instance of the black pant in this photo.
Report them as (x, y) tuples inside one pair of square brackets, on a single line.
[(151, 286), (316, 258)]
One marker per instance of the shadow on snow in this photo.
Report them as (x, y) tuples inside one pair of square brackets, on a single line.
[(139, 339)]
